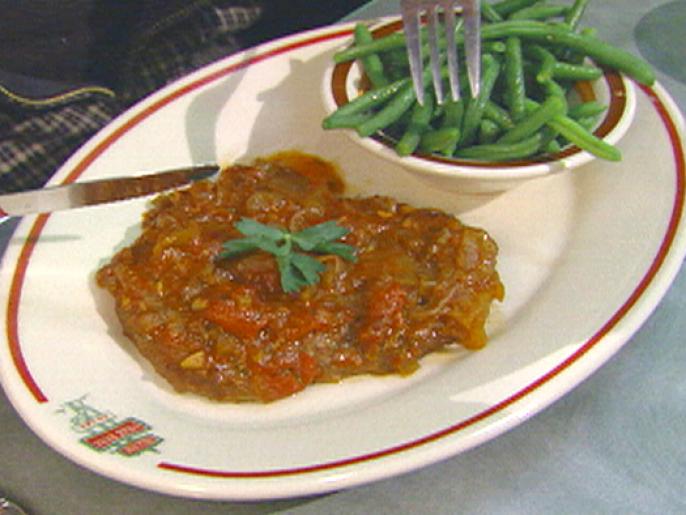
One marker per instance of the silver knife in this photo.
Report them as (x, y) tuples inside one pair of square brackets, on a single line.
[(88, 193)]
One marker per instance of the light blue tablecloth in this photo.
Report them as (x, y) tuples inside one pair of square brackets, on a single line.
[(614, 445)]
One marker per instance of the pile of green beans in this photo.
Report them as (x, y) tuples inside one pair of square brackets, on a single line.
[(533, 53)]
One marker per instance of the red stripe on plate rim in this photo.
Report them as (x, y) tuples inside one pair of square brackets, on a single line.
[(19, 274)]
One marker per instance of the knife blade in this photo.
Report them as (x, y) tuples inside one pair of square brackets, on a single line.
[(88, 193)]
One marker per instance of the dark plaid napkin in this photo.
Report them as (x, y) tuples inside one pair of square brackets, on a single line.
[(42, 121)]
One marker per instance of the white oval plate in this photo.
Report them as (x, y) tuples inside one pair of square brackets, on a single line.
[(585, 258)]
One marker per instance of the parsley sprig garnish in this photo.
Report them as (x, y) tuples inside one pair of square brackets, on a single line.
[(297, 269)]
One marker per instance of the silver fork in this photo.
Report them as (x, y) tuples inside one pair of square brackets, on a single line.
[(412, 11)]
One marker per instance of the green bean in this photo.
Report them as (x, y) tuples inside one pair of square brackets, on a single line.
[(489, 13), (522, 108), (368, 100), (502, 151), (581, 137), (493, 47), (441, 140), (539, 12), (498, 115), (549, 139), (349, 121), (549, 109), (598, 50), (395, 57), (475, 107), (585, 109), (576, 56), (395, 40), (373, 67), (395, 129), (507, 7), (574, 14), (587, 122), (453, 112), (590, 32), (488, 131), (548, 134), (419, 124), (391, 112), (514, 78), (553, 89), (551, 147), (584, 139), (575, 72), (545, 90), (547, 60)]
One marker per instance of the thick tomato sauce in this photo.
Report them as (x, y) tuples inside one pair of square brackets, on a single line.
[(224, 329)]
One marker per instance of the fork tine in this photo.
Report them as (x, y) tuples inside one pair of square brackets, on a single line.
[(451, 48), (410, 15), (472, 42), (471, 12), (432, 26)]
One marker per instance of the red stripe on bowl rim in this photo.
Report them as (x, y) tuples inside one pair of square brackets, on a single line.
[(40, 222)]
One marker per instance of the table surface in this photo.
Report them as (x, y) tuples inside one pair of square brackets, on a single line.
[(613, 445)]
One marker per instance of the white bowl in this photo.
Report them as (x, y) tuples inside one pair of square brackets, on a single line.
[(342, 82)]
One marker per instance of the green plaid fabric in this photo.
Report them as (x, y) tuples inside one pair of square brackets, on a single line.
[(171, 38)]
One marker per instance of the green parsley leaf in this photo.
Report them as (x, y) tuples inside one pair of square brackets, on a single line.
[(309, 238), (291, 280), (343, 250), (309, 267), (296, 269), (236, 247), (251, 227)]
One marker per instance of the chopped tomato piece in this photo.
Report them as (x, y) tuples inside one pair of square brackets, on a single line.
[(384, 316), (282, 377), (243, 321)]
